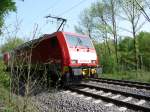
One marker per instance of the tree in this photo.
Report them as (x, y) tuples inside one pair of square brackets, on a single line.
[(86, 24), (6, 6), (11, 44), (100, 22), (133, 14), (144, 49), (113, 8), (126, 48), (114, 26), (126, 51), (100, 18)]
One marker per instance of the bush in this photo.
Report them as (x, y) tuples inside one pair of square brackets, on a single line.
[(4, 76)]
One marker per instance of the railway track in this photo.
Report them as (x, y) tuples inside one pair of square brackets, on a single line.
[(138, 85), (113, 97)]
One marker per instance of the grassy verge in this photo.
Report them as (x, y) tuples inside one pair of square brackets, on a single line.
[(10, 102), (4, 98), (4, 90), (141, 76), (13, 103)]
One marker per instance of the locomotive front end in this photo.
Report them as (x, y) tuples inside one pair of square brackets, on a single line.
[(83, 62)]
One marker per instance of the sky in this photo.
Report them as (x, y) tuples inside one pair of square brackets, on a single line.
[(31, 13)]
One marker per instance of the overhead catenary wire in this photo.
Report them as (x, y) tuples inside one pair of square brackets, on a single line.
[(146, 16), (73, 7), (45, 10), (53, 5), (144, 12), (68, 10)]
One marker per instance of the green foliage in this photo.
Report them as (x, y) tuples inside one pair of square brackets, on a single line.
[(126, 54), (4, 87), (101, 21), (126, 50), (142, 76), (4, 76), (144, 48), (106, 60), (5, 100), (11, 44), (126, 44), (6, 6)]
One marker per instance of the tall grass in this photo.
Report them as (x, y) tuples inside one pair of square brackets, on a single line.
[(4, 76), (141, 76), (11, 102), (4, 89)]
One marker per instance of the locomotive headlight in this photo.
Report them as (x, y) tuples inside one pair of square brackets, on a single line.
[(85, 71), (93, 61), (93, 71), (74, 61)]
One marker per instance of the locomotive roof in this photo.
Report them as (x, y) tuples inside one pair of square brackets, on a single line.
[(31, 43)]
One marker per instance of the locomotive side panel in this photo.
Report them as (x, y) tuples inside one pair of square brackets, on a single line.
[(47, 51)]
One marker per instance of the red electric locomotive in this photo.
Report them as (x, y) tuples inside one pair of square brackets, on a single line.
[(67, 56)]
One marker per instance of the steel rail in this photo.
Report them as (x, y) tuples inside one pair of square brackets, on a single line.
[(123, 83), (126, 81), (127, 94), (107, 99)]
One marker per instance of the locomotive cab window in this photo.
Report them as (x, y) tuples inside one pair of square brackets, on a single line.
[(75, 41)]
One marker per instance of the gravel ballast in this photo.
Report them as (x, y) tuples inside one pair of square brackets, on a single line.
[(121, 88), (66, 101)]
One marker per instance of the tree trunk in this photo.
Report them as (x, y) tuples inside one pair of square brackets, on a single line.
[(136, 50), (114, 30), (135, 39), (105, 34)]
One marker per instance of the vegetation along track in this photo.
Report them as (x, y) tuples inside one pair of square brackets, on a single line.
[(119, 98), (138, 85)]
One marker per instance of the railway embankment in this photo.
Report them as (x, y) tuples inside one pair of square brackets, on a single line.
[(89, 96), (52, 100)]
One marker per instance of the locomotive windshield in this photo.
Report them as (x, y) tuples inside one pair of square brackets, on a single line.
[(79, 41)]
